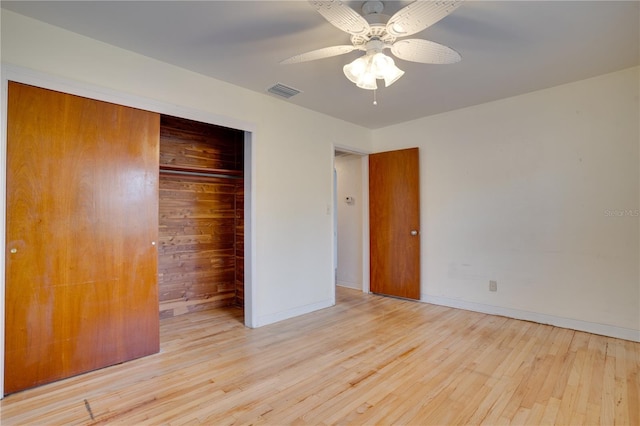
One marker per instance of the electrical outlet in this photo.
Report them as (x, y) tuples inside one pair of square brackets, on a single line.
[(493, 285)]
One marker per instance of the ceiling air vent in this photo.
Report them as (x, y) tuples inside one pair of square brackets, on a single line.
[(282, 90)]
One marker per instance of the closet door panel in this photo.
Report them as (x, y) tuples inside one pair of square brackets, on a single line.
[(81, 260)]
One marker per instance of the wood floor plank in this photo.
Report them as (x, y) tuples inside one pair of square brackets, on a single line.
[(367, 360)]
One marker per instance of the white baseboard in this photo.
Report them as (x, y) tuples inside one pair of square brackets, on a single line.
[(356, 286), (590, 327), (290, 313)]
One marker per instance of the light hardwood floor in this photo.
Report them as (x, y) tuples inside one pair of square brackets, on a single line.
[(368, 360)]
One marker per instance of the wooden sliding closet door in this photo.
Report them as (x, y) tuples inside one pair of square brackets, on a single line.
[(82, 224)]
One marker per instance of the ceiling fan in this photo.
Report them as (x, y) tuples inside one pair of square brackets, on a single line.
[(373, 31)]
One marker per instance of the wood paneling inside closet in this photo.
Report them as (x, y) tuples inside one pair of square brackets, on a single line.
[(239, 243), (194, 146), (201, 217)]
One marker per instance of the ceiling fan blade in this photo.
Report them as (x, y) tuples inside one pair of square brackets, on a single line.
[(419, 15), (424, 51), (342, 16), (325, 52)]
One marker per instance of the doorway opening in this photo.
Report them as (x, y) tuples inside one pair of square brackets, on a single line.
[(351, 225)]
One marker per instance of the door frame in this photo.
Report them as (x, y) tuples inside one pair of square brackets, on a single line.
[(364, 158), (27, 76)]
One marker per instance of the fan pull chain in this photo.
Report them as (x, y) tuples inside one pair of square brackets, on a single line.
[(375, 100)]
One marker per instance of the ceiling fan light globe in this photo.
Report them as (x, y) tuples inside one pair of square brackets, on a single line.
[(355, 69), (380, 64), (367, 81), (392, 76), (371, 68), (365, 70)]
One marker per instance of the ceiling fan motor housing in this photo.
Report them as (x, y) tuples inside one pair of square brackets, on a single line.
[(369, 7), (372, 12), (374, 45)]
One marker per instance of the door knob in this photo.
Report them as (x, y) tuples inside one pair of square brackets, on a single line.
[(414, 232)]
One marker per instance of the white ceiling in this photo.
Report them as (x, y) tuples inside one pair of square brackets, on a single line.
[(507, 47)]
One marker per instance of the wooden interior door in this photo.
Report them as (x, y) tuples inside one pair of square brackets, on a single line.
[(394, 223), (82, 224)]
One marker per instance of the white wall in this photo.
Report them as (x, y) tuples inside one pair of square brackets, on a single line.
[(292, 153), (539, 192), (349, 171)]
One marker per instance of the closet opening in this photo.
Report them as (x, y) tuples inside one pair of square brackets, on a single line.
[(201, 217)]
